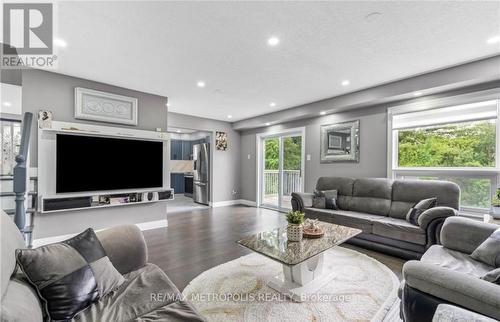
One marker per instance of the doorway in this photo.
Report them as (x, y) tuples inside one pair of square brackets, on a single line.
[(281, 168)]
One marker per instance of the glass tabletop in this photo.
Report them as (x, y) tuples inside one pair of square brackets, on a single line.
[(275, 245)]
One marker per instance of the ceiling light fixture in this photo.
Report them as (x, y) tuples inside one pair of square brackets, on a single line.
[(272, 104), (345, 82), (493, 40), (178, 131), (7, 104), (200, 84), (267, 124), (60, 43), (273, 41), (229, 116), (322, 113), (168, 104), (417, 93)]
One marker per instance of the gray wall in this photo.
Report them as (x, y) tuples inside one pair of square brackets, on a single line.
[(55, 92), (373, 149), (226, 164)]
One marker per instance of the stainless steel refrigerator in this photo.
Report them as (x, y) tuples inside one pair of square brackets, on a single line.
[(201, 173)]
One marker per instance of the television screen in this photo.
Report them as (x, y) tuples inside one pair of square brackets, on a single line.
[(89, 163)]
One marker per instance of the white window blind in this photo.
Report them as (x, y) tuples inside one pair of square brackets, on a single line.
[(446, 115)]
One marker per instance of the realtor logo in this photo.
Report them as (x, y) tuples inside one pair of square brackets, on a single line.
[(28, 36), (27, 28)]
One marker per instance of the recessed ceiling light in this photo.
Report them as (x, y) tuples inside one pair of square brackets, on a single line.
[(178, 131), (200, 84), (272, 104), (60, 42), (168, 104), (267, 124), (273, 41), (7, 104), (417, 93), (493, 40), (345, 82), (229, 116), (322, 113)]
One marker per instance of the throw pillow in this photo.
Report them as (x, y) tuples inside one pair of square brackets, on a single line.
[(331, 203), (319, 200), (489, 251), (419, 208), (492, 276), (69, 275), (325, 199)]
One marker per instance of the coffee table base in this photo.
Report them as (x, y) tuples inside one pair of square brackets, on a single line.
[(302, 279)]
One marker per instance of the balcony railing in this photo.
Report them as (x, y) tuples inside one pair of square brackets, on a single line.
[(291, 182)]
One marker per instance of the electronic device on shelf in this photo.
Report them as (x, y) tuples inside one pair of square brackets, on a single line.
[(82, 166), (104, 200)]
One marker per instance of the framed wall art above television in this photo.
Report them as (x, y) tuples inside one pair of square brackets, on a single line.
[(105, 107), (340, 142)]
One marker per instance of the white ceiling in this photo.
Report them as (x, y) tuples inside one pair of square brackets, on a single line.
[(166, 47)]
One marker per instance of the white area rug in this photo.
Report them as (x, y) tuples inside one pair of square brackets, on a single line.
[(363, 290)]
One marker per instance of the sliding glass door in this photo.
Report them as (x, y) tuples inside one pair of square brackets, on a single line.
[(281, 170)]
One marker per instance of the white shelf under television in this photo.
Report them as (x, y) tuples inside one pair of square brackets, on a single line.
[(47, 162)]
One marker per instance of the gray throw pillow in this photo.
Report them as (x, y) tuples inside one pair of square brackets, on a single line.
[(69, 275), (325, 199), (489, 251), (419, 208), (492, 276)]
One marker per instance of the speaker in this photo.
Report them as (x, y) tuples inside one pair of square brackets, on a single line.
[(165, 195), (150, 196)]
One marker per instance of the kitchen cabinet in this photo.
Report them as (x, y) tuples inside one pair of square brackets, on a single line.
[(177, 182), (176, 150), (187, 150)]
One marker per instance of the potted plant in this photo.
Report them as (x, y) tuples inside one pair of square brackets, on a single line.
[(495, 205), (294, 229)]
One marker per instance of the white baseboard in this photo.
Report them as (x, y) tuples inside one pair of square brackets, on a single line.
[(232, 203), (142, 226)]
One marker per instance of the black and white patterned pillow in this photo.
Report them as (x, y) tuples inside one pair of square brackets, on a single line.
[(419, 208), (69, 275)]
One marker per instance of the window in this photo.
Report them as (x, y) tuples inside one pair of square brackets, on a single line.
[(453, 142), (10, 140)]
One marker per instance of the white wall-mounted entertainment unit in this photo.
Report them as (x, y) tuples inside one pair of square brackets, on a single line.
[(52, 201)]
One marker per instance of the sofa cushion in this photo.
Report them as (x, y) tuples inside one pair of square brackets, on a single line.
[(492, 276), (21, 303), (69, 275), (11, 240), (405, 193), (146, 295), (372, 195), (454, 260), (489, 250), (352, 219), (343, 185), (399, 229)]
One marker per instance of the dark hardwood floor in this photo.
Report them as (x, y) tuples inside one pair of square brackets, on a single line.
[(197, 240)]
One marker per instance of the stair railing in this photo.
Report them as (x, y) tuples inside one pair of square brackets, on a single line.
[(21, 175)]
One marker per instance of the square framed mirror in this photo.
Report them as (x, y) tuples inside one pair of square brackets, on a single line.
[(340, 142)]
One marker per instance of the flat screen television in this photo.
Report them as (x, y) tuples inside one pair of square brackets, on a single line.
[(90, 163)]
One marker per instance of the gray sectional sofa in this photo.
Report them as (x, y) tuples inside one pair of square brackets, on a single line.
[(447, 274), (146, 295), (378, 206)]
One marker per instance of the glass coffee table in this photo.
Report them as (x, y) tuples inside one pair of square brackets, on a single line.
[(303, 262)]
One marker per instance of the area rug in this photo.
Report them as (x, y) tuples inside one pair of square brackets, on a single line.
[(362, 289)]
